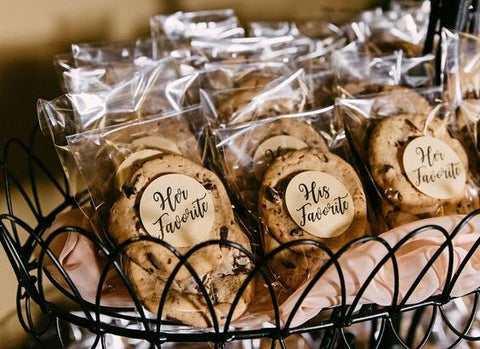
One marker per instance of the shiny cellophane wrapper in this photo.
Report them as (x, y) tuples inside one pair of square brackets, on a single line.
[(220, 76), (462, 82), (427, 115), (243, 157), (172, 34), (152, 89), (398, 29), (242, 167), (100, 152), (253, 49), (98, 53), (319, 72), (284, 95), (358, 71)]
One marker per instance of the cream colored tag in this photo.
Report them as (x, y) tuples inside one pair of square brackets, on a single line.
[(434, 168), (124, 171), (156, 142), (319, 204), (268, 150), (177, 209)]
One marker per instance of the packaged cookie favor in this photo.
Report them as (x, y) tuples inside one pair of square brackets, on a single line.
[(174, 32), (245, 151), (264, 164), (407, 148), (284, 95), (147, 93), (226, 76), (106, 156), (359, 72), (149, 189)]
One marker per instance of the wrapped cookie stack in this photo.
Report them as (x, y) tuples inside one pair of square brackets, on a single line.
[(203, 151)]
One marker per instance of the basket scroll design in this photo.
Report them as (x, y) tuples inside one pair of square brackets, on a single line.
[(27, 249)]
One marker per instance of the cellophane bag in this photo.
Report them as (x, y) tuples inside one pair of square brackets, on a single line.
[(172, 34), (100, 152), (410, 155), (105, 52), (319, 72), (357, 71), (151, 91), (401, 29), (284, 95), (148, 186), (272, 167), (226, 76), (462, 82), (251, 49)]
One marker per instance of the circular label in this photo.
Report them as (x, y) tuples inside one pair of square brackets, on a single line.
[(177, 209), (319, 204), (124, 170), (434, 168), (268, 150)]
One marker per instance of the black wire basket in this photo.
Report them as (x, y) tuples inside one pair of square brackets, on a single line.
[(439, 319)]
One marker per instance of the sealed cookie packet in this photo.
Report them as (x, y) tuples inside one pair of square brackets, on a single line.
[(284, 95), (361, 72), (462, 82), (172, 34), (293, 175), (410, 155), (154, 198), (319, 73), (220, 76), (150, 91)]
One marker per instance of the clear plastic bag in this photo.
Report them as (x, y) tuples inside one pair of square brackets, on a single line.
[(148, 185), (99, 53), (154, 90), (284, 95), (410, 156), (282, 48), (225, 76), (174, 32), (359, 72)]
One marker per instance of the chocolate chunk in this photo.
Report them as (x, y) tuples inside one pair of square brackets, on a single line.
[(129, 191), (387, 168), (296, 232), (209, 186), (288, 265), (223, 233), (272, 194)]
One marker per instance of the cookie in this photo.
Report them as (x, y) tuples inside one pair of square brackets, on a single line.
[(272, 203), (388, 142), (291, 268), (185, 303), (240, 106), (254, 79), (248, 154), (396, 100), (125, 222)]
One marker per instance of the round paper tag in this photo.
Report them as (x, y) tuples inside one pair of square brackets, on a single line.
[(124, 170), (177, 209), (319, 204), (268, 150), (434, 168)]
